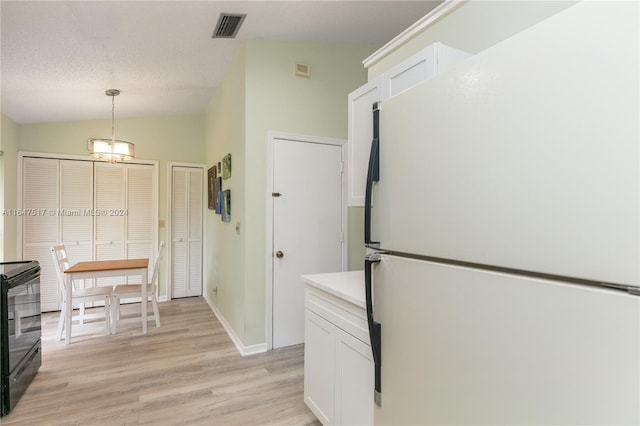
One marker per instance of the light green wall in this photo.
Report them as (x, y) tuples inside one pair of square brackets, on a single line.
[(277, 100), (225, 248), (163, 138), (274, 99), (475, 26), (9, 144)]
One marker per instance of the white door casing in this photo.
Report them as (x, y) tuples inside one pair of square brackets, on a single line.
[(307, 226)]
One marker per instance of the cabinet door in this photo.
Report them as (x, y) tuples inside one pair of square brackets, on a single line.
[(425, 64), (410, 72), (319, 367), (354, 381), (360, 136)]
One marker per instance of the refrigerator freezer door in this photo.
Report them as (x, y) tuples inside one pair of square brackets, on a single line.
[(462, 346), (524, 156)]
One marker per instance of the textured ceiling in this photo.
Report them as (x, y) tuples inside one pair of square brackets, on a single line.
[(58, 57)]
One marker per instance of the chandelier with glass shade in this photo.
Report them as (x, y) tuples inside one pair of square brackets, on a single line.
[(112, 150)]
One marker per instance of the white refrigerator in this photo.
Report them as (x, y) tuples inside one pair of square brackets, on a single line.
[(503, 202)]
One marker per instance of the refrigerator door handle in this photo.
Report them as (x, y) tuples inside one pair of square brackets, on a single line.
[(373, 175), (374, 326)]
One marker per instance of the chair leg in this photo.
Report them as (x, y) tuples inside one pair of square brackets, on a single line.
[(156, 314), (115, 310), (81, 310), (63, 314), (18, 323), (107, 317)]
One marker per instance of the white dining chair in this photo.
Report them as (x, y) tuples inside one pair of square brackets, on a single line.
[(124, 291), (79, 296)]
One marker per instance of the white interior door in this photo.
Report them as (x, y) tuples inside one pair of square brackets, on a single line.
[(186, 231), (307, 228)]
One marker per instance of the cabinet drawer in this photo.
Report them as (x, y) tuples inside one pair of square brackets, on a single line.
[(344, 315)]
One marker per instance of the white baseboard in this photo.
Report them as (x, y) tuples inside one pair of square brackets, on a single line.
[(244, 350)]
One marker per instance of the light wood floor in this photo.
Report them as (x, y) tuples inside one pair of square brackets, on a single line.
[(186, 372)]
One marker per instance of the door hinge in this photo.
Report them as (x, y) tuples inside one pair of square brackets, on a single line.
[(342, 237), (275, 194), (341, 167)]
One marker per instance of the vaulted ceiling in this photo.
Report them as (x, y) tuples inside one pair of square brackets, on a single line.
[(58, 57)]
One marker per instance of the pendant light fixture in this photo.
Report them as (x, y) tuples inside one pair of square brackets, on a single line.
[(112, 150)]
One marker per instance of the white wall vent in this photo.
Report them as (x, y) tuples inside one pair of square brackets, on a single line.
[(303, 70), (228, 25)]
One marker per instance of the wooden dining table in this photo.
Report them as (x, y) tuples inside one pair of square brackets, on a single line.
[(104, 269)]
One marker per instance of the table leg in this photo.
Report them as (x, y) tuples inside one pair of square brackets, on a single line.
[(69, 310), (144, 301)]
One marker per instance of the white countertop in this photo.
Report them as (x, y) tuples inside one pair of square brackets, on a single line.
[(348, 286)]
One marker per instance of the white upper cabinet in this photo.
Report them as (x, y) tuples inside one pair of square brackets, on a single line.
[(425, 64), (360, 135)]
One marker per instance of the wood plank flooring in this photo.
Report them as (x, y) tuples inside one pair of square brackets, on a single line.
[(186, 372)]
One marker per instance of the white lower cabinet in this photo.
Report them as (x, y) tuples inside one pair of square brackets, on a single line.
[(338, 367)]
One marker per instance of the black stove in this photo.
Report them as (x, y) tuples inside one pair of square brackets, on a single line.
[(20, 330)]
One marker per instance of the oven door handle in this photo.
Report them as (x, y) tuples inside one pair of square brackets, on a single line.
[(25, 364)]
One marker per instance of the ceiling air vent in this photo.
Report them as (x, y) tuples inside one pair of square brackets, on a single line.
[(228, 25)]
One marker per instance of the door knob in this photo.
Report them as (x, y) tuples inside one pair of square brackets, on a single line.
[(279, 254)]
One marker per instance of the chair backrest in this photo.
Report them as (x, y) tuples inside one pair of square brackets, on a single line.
[(156, 264), (61, 263)]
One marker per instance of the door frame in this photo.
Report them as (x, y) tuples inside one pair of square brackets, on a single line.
[(271, 137), (167, 268)]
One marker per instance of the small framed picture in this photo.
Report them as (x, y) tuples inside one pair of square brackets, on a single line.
[(226, 205), (218, 195), (226, 167), (211, 185)]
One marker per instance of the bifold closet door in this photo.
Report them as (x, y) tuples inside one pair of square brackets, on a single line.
[(124, 220), (59, 196), (41, 231), (186, 231), (109, 196), (100, 211), (76, 210), (140, 242)]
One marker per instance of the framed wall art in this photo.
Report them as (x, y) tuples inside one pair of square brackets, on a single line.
[(226, 167), (211, 188), (218, 188), (226, 205)]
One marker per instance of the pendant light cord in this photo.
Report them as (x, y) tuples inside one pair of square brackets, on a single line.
[(113, 128)]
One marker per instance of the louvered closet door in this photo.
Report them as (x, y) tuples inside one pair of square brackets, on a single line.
[(109, 196), (186, 231), (40, 231), (76, 208), (140, 216)]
